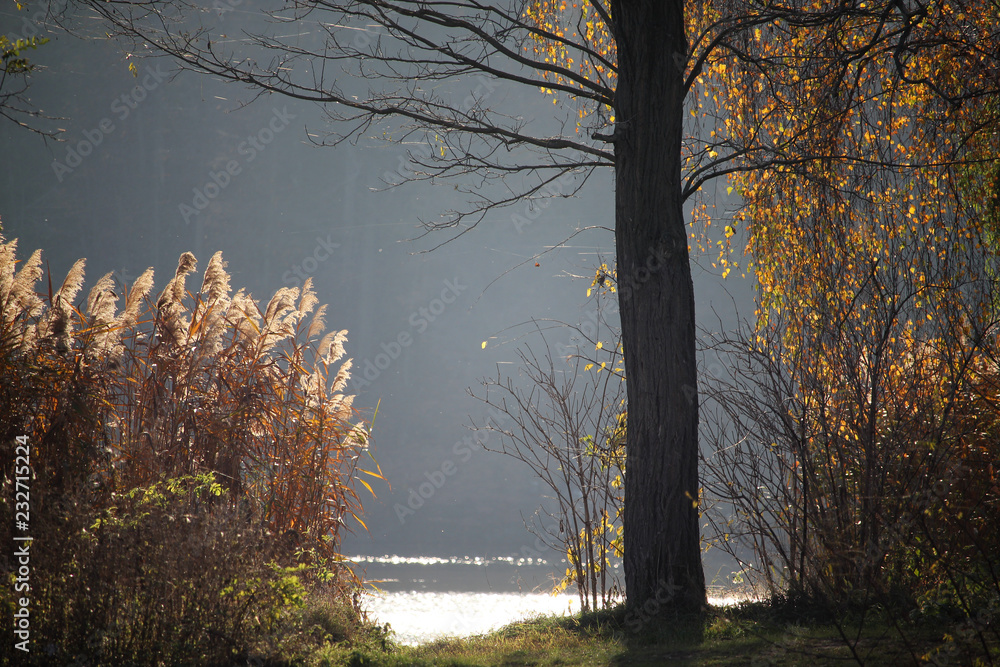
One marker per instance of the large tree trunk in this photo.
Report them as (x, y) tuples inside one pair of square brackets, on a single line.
[(662, 538)]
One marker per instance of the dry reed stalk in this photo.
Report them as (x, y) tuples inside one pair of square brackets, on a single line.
[(192, 384)]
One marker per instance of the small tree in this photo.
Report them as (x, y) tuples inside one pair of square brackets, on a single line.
[(568, 427)]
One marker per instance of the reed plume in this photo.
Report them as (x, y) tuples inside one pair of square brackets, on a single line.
[(215, 284), (170, 306), (102, 306), (56, 325), (19, 304), (134, 299), (23, 288), (308, 299)]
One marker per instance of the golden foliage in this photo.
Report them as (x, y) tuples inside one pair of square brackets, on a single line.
[(861, 140)]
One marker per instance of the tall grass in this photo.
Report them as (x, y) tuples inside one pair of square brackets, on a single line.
[(194, 456)]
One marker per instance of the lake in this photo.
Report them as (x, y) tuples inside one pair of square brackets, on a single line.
[(424, 598), (427, 597)]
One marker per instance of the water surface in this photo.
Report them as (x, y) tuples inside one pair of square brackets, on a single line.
[(419, 617), (424, 598)]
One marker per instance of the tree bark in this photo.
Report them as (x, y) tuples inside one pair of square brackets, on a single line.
[(656, 295)]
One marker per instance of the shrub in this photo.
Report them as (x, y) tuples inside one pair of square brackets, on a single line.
[(568, 427)]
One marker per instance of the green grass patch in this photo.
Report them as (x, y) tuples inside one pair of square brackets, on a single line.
[(775, 633)]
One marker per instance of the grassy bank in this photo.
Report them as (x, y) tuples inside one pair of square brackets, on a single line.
[(754, 634)]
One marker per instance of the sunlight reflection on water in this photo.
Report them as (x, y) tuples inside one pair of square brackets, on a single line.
[(421, 617), (424, 598)]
